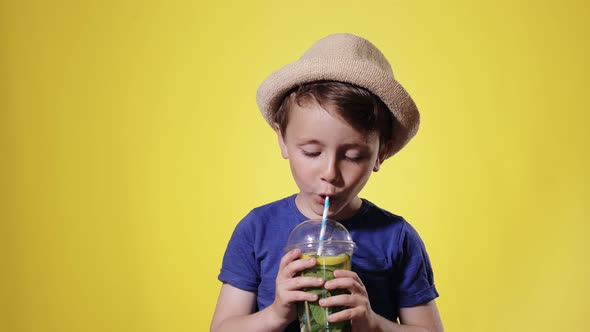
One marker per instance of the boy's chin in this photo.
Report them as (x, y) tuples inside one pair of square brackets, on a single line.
[(316, 209), (310, 206)]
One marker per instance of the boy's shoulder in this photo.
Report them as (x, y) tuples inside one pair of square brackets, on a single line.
[(379, 228), (376, 217), (374, 212), (283, 210), (278, 207)]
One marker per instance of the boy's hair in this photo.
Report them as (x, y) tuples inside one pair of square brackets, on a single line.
[(360, 108)]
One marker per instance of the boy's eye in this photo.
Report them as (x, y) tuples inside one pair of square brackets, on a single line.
[(310, 153), (354, 158)]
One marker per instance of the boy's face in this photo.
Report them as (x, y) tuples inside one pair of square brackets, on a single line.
[(328, 157)]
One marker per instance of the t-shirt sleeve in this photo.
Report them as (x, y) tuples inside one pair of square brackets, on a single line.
[(416, 279), (239, 267)]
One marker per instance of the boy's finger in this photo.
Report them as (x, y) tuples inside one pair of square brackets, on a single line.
[(352, 285), (342, 300), (290, 264), (303, 282), (297, 266), (346, 314), (289, 257), (348, 274), (299, 296)]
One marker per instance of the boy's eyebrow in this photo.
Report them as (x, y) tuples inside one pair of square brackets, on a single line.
[(343, 146), (305, 141), (355, 145)]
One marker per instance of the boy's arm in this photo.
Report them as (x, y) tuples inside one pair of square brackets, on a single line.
[(235, 307), (234, 312), (425, 315), (422, 318)]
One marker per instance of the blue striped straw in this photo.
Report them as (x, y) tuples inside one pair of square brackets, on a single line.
[(323, 226)]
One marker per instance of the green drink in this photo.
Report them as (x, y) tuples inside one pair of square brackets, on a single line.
[(333, 253), (312, 316)]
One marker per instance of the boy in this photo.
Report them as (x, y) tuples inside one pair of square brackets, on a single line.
[(338, 113)]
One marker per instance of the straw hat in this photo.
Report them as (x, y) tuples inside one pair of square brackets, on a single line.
[(350, 59)]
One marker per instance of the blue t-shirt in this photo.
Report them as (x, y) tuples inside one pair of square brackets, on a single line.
[(390, 257)]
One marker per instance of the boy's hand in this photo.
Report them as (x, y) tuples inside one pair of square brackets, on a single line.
[(288, 286), (359, 309)]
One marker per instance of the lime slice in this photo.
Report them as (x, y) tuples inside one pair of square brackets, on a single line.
[(328, 260)]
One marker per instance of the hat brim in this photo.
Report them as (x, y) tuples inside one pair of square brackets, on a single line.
[(273, 89)]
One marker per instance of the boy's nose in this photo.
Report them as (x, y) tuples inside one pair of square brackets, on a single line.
[(330, 172)]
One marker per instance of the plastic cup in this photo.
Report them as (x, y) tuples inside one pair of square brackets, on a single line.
[(335, 253)]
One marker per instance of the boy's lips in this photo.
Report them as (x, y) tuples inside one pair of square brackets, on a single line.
[(321, 198)]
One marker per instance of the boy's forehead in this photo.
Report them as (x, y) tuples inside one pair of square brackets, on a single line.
[(312, 113), (314, 124)]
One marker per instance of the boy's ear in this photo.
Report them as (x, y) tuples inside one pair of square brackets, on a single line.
[(380, 159), (282, 145), (377, 165)]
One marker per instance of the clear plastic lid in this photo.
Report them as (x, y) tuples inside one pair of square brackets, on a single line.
[(306, 237)]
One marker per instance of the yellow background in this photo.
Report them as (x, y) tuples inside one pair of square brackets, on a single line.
[(131, 145)]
